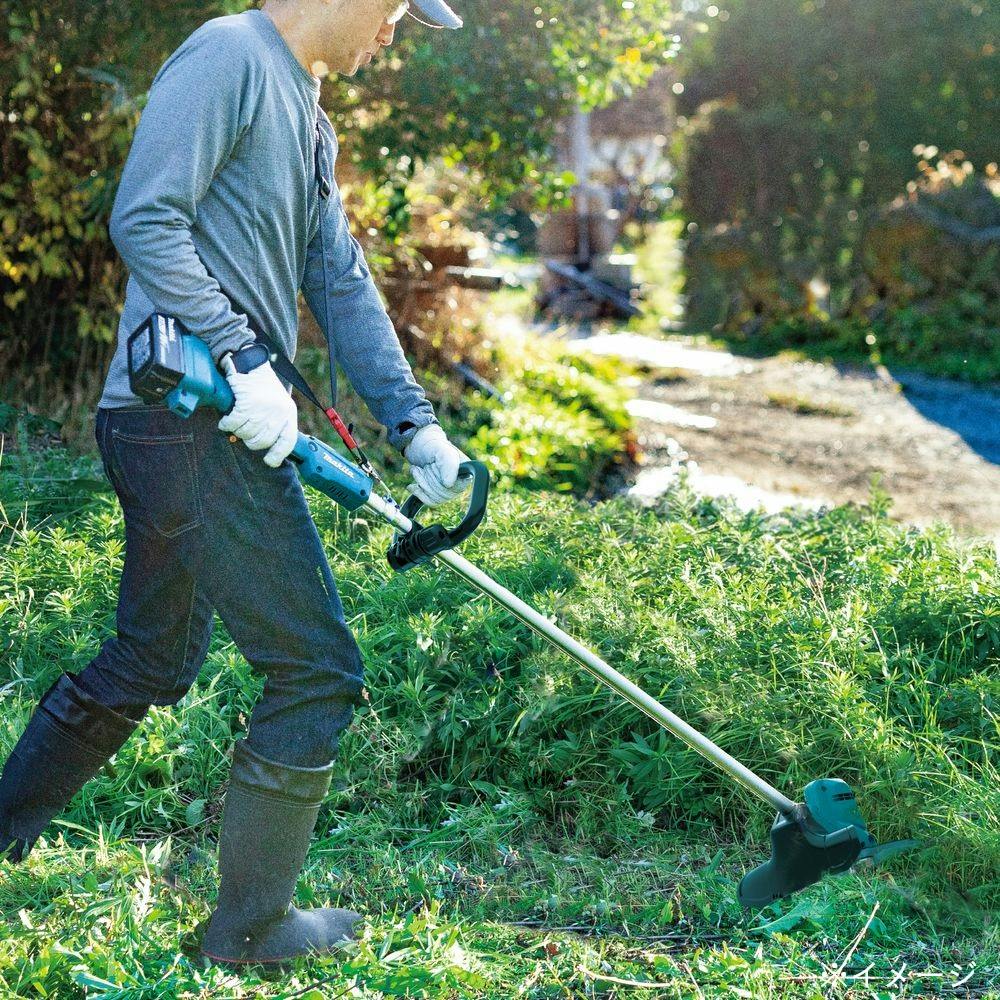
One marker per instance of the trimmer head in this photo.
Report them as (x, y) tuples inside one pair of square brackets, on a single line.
[(826, 833)]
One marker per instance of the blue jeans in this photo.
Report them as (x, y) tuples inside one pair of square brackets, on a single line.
[(210, 527)]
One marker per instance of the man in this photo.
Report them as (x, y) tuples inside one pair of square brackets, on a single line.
[(227, 207)]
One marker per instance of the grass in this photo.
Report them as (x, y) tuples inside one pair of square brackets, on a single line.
[(553, 922), (955, 349), (505, 824), (807, 407)]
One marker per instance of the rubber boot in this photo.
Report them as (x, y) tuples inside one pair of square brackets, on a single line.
[(269, 815), (66, 742)]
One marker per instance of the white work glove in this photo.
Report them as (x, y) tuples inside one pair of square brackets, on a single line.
[(264, 414), (434, 463)]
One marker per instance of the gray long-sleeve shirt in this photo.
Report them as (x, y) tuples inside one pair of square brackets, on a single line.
[(220, 219)]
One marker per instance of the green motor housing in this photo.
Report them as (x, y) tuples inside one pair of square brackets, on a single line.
[(825, 835)]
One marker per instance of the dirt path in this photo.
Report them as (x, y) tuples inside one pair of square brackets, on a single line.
[(775, 432)]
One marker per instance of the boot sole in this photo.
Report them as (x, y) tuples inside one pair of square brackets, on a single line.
[(241, 962)]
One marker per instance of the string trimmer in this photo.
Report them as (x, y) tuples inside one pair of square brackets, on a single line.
[(825, 833)]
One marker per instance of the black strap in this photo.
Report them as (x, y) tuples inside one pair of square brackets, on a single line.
[(284, 368)]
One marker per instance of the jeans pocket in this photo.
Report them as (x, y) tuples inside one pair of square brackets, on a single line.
[(160, 473), (238, 453)]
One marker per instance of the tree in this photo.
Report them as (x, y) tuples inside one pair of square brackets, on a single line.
[(805, 115), (73, 74)]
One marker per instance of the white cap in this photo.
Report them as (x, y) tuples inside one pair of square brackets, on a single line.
[(440, 15)]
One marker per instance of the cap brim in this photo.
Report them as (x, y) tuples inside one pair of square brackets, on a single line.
[(437, 12)]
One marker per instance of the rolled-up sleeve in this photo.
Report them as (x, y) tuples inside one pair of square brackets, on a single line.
[(200, 105), (340, 293)]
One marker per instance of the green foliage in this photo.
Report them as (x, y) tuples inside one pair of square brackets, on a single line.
[(835, 643), (105, 917), (942, 341), (821, 104), (486, 779), (805, 121), (564, 425), (72, 81), (71, 78), (485, 99)]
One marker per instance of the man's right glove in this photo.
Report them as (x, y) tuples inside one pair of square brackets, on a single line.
[(263, 414), (434, 463)]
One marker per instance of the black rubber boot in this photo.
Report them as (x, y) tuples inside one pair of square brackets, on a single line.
[(66, 742), (268, 818)]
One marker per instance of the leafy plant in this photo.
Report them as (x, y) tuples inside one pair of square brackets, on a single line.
[(803, 123), (481, 104)]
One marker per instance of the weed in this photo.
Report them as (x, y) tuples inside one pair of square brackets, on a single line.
[(507, 826), (807, 407)]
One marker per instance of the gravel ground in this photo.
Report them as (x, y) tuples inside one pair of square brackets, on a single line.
[(777, 431)]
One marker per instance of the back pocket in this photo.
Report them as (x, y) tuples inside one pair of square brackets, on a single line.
[(161, 477)]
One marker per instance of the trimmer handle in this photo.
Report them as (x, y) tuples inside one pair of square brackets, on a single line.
[(168, 365), (420, 543)]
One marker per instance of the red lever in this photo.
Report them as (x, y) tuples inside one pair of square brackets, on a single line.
[(341, 429)]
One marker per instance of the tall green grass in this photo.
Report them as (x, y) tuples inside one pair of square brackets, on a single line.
[(507, 826), (837, 643)]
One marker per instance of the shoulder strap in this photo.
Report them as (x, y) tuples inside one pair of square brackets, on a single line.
[(286, 370), (284, 367)]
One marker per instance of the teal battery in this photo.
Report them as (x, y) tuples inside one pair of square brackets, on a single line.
[(202, 383)]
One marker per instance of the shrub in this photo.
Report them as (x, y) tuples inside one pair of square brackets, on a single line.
[(804, 120), (72, 83)]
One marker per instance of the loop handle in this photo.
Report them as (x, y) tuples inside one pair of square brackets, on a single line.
[(420, 543)]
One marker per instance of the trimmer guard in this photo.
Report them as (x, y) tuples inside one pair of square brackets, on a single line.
[(825, 834)]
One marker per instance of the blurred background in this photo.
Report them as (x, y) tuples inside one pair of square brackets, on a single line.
[(805, 180)]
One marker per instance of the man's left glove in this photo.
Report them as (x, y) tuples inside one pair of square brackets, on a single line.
[(434, 463), (263, 414)]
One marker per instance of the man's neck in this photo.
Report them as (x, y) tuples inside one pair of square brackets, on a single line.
[(283, 18)]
